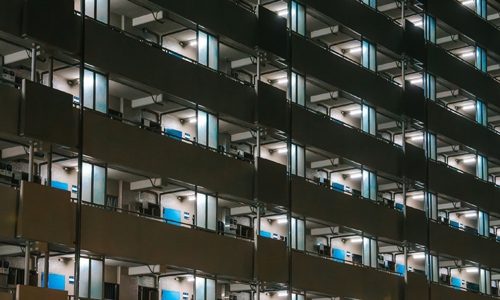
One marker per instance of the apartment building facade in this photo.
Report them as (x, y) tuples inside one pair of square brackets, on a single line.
[(248, 149)]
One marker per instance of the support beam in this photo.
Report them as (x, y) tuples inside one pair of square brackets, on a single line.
[(388, 186), (448, 39), (325, 231), (388, 125), (154, 99), (449, 205), (388, 66), (324, 97), (14, 152), (325, 163), (449, 93), (241, 137), (325, 31), (17, 57), (143, 20), (447, 149), (240, 63)]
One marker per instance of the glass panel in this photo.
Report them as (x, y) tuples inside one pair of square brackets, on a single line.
[(431, 206), (202, 127), (90, 8), (430, 87), (99, 193), (300, 235), (293, 159), (201, 210), (294, 233), (213, 129), (301, 19), (294, 15), (87, 182), (101, 93), (88, 89), (96, 279), (300, 161), (200, 288), (212, 213), (210, 287), (430, 29), (102, 11), (430, 147), (84, 277), (293, 88), (202, 48), (301, 90), (213, 52)]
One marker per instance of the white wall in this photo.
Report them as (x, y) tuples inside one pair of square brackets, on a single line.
[(171, 201), (177, 283)]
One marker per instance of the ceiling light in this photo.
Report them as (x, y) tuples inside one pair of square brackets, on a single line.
[(468, 107), (416, 81), (192, 120), (417, 138), (469, 160), (355, 50), (283, 13), (193, 43), (470, 215), (467, 54), (282, 150), (282, 294), (355, 112), (418, 23), (355, 175), (282, 81), (418, 255), (467, 2), (418, 197), (472, 270), (356, 240), (190, 279), (191, 197), (282, 221)]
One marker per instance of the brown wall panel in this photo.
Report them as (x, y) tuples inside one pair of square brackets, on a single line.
[(9, 111), (272, 260), (26, 292), (8, 211)]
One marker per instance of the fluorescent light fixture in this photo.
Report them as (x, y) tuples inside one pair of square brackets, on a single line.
[(193, 43), (470, 215), (282, 81), (418, 197), (191, 197), (468, 107), (356, 240), (418, 255), (283, 13), (416, 81), (355, 112), (356, 175), (467, 2), (355, 50), (282, 150), (469, 160), (467, 54), (472, 270), (282, 221), (417, 138), (418, 23), (190, 278), (192, 120), (282, 294)]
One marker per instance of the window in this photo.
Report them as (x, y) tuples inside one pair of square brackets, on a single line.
[(95, 91)]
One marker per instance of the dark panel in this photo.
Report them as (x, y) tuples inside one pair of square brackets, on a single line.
[(342, 280), (413, 41), (165, 157), (362, 19), (9, 109), (11, 16), (272, 261), (45, 214), (327, 205), (44, 19), (443, 64), (465, 131), (8, 213), (148, 241), (417, 287), (272, 185), (311, 59), (447, 240), (414, 102), (47, 115), (443, 179), (311, 129), (415, 163), (167, 73), (416, 226), (272, 32), (443, 292), (272, 107), (221, 16), (467, 22)]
